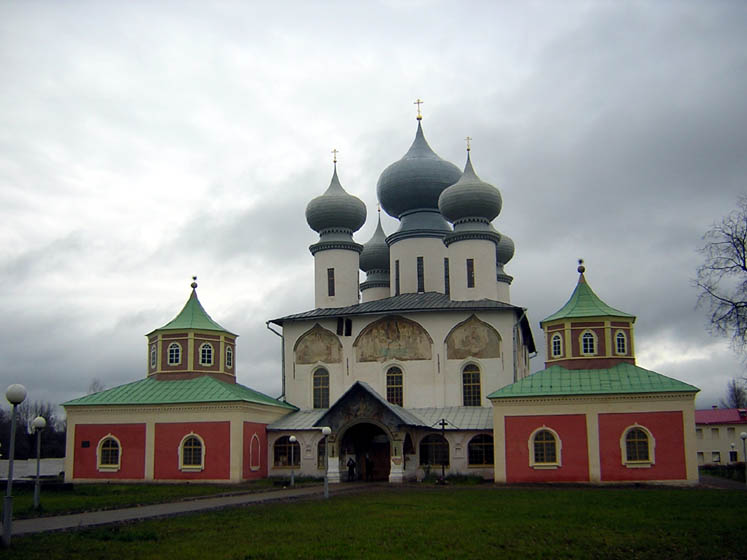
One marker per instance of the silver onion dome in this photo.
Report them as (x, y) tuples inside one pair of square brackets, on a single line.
[(470, 198), (504, 249), (415, 181), (375, 254), (335, 209)]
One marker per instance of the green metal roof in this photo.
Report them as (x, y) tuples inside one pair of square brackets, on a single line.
[(201, 389), (585, 303), (623, 378), (192, 316)]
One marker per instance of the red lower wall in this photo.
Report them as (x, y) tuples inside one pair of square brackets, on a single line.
[(571, 429), (132, 451), (254, 451), (217, 438), (669, 451)]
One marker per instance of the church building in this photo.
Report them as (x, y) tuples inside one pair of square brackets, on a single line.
[(422, 368)]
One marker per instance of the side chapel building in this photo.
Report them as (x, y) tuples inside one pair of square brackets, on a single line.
[(422, 366)]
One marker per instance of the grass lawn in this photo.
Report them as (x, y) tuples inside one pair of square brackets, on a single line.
[(466, 522), (91, 497)]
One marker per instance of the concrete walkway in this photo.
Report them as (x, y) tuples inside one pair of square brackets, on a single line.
[(107, 517)]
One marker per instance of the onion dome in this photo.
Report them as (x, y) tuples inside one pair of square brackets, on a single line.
[(415, 181), (470, 199), (504, 249), (375, 254), (336, 209)]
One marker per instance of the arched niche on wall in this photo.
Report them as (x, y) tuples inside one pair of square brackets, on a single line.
[(318, 345), (473, 338), (393, 338)]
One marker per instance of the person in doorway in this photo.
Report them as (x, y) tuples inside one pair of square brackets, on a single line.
[(351, 469), (369, 468)]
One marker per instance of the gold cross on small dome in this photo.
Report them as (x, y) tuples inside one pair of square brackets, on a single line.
[(419, 102), (334, 155)]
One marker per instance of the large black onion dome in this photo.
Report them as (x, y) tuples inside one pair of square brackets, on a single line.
[(375, 254), (470, 197), (504, 249), (336, 209), (415, 181)]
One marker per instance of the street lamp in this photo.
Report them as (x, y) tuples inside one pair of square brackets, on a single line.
[(292, 441), (743, 435), (326, 430), (37, 426), (15, 394)]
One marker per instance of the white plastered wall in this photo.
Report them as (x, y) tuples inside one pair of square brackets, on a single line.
[(483, 253), (345, 263), (406, 252)]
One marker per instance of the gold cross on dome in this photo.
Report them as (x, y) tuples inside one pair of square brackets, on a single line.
[(334, 155), (419, 102), (468, 141)]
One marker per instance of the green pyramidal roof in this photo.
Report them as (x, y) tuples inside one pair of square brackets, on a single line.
[(623, 378), (197, 390), (193, 316), (585, 303)]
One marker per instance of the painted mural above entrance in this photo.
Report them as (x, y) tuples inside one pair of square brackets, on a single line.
[(318, 345), (393, 338), (473, 338)]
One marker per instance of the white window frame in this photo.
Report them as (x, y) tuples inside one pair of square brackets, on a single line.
[(255, 457), (559, 338), (624, 449), (622, 334), (229, 357), (581, 343), (203, 346), (179, 356), (558, 450), (153, 356), (192, 468), (108, 467)]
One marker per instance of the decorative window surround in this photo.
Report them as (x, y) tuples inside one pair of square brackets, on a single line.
[(206, 354), (588, 343), (557, 345), (192, 453), (550, 445), (175, 354), (108, 454), (637, 447), (621, 343), (229, 357)]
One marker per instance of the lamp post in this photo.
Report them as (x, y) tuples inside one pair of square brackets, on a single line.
[(38, 425), (15, 394), (743, 435), (326, 430), (292, 441)]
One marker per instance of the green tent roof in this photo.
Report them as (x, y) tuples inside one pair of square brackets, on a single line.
[(623, 378), (585, 303), (197, 390), (192, 316)]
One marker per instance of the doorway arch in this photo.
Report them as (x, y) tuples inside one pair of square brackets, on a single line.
[(366, 440)]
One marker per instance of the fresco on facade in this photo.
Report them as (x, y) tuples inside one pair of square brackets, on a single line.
[(318, 345), (473, 338), (393, 338)]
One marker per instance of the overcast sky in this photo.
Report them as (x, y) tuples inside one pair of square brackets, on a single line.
[(144, 142)]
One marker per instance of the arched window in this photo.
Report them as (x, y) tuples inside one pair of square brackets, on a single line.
[(321, 451), (255, 455), (434, 450), (192, 453), (471, 385), (544, 449), (287, 453), (206, 354), (621, 343), (175, 354), (480, 450), (153, 356), (108, 453), (557, 345), (321, 388), (588, 343), (638, 448), (229, 357), (394, 386)]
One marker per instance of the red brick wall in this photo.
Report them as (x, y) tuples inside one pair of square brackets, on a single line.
[(217, 438), (571, 429), (132, 450), (669, 450), (254, 450)]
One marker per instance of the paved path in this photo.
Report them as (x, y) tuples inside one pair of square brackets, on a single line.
[(94, 518), (707, 481)]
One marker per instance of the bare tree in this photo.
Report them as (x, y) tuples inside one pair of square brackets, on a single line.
[(96, 386), (722, 278), (736, 395)]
